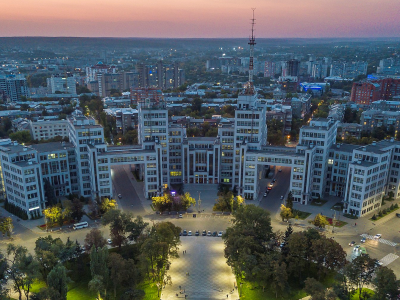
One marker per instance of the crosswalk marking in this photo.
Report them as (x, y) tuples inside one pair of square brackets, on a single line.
[(383, 241), (389, 259)]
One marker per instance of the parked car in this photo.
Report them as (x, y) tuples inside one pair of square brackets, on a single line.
[(379, 263), (351, 244), (189, 233), (119, 196), (204, 233), (356, 248), (273, 180), (281, 197), (377, 236), (180, 216), (363, 240), (197, 233), (109, 241), (209, 233), (220, 234), (215, 234), (184, 232), (398, 215), (269, 188), (265, 194)]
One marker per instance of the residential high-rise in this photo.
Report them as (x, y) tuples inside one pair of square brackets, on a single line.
[(64, 83), (14, 87)]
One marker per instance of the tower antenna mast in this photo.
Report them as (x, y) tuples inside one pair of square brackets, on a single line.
[(252, 42)]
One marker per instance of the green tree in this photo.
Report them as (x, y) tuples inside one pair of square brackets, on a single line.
[(162, 203), (135, 228), (320, 221), (386, 284), (53, 215), (58, 280), (6, 226), (122, 271), (284, 246), (118, 222), (289, 201), (77, 210), (315, 289), (99, 270), (22, 269), (21, 137), (95, 239), (96, 285), (279, 278), (360, 271)]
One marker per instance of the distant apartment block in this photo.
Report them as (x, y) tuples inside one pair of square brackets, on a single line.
[(64, 83), (160, 76), (389, 66), (371, 119), (366, 92), (348, 69), (45, 130), (14, 87)]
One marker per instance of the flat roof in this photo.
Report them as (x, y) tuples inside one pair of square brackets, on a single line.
[(344, 147), (54, 146)]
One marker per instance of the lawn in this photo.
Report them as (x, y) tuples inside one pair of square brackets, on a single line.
[(356, 296), (302, 215), (150, 290), (251, 292)]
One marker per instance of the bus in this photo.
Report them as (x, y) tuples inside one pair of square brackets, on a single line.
[(80, 225)]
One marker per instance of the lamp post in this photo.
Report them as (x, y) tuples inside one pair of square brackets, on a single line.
[(199, 202), (333, 221), (240, 293)]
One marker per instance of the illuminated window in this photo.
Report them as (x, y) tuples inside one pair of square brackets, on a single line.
[(175, 173)]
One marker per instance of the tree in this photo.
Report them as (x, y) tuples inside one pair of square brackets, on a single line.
[(315, 289), (286, 213), (279, 278), (58, 280), (359, 272), (122, 271), (21, 137), (53, 215), (99, 270), (187, 200), (135, 228), (107, 204), (386, 284), (23, 269), (320, 221), (118, 222), (289, 201), (297, 258), (162, 203), (6, 226), (94, 239), (49, 193), (328, 255), (288, 233), (250, 231), (77, 210)]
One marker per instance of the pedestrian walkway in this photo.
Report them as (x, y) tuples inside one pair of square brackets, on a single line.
[(201, 273), (383, 241), (388, 259)]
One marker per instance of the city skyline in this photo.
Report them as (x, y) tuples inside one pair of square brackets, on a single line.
[(200, 19)]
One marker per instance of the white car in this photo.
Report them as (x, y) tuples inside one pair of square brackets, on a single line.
[(281, 197), (109, 241), (377, 236), (220, 234), (180, 216), (189, 233), (265, 194), (356, 248), (119, 196)]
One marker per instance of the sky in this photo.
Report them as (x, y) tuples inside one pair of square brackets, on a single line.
[(200, 18)]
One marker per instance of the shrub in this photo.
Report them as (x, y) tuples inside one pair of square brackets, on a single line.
[(374, 217), (384, 211), (391, 207), (396, 206), (380, 213)]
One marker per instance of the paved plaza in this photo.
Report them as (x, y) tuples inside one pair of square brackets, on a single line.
[(207, 192), (208, 278)]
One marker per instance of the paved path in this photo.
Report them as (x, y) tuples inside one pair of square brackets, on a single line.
[(209, 276)]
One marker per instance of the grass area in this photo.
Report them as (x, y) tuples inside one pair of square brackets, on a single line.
[(318, 203), (150, 290), (369, 292), (301, 215), (250, 292), (338, 206), (338, 223), (377, 217)]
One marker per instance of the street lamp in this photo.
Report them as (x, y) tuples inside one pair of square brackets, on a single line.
[(333, 221), (240, 294), (199, 202)]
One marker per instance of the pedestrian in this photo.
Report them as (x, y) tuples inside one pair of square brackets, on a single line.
[(355, 224), (183, 252), (188, 273), (185, 296), (180, 287), (227, 295), (177, 294)]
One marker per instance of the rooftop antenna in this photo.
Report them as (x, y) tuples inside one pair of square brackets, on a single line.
[(252, 42)]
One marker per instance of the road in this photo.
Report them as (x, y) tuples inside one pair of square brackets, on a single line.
[(273, 200), (130, 201)]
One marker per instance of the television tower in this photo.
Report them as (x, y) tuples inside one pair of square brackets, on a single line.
[(252, 42)]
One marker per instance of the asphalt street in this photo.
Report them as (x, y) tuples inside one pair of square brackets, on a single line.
[(130, 201), (280, 188)]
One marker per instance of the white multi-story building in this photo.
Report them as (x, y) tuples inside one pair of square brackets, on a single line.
[(64, 83), (44, 130)]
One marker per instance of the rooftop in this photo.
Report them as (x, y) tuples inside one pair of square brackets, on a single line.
[(48, 147), (344, 147)]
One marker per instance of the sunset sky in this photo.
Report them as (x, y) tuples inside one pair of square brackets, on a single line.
[(200, 18)]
